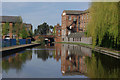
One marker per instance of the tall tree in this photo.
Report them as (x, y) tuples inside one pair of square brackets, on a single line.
[(43, 29), (104, 24)]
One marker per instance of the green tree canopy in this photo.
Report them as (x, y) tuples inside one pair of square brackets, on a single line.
[(104, 23), (23, 33), (43, 29)]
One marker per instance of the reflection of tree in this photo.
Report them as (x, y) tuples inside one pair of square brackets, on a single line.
[(97, 68), (16, 62), (44, 54)]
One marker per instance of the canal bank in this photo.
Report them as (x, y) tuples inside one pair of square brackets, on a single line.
[(113, 53), (9, 50)]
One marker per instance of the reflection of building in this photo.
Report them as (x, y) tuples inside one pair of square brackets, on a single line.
[(58, 33), (58, 51), (73, 59)]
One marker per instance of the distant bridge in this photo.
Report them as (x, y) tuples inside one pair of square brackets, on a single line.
[(47, 38)]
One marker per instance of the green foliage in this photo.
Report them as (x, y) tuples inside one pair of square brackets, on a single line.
[(23, 33), (54, 30), (30, 33), (104, 22), (43, 29), (5, 28)]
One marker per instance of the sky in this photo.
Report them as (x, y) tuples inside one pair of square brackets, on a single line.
[(36, 13)]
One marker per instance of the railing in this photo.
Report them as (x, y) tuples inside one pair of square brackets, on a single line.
[(13, 42)]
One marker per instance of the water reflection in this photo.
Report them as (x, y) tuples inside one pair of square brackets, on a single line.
[(16, 61), (61, 60)]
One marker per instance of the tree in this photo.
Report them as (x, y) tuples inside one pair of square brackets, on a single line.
[(54, 30), (23, 33), (5, 28), (104, 24), (43, 29)]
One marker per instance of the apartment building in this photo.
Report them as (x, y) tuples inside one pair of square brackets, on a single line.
[(11, 20), (74, 24), (74, 21)]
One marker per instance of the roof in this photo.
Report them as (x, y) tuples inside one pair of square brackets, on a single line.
[(76, 35), (75, 12), (12, 19), (27, 25)]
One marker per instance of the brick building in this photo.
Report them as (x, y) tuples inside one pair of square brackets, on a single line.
[(58, 34), (11, 20), (74, 23)]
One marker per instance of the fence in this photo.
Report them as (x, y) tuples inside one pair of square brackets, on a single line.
[(12, 42)]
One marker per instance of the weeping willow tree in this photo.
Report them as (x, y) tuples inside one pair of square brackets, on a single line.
[(104, 24)]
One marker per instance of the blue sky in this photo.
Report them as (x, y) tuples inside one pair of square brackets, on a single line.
[(38, 12)]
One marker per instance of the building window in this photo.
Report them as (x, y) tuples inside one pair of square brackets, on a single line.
[(69, 17), (58, 31), (75, 18), (82, 17), (73, 39), (58, 34), (63, 39), (80, 38), (68, 39), (87, 16), (84, 25)]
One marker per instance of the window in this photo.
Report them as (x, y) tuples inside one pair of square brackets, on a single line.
[(58, 31), (63, 39), (68, 39), (87, 16), (75, 18), (82, 17), (80, 38), (58, 34), (69, 17)]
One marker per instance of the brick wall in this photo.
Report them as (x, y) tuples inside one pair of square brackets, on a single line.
[(58, 35)]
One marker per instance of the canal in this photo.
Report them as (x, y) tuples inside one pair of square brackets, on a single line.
[(60, 61)]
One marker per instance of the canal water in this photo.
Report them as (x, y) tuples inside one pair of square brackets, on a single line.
[(60, 61)]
